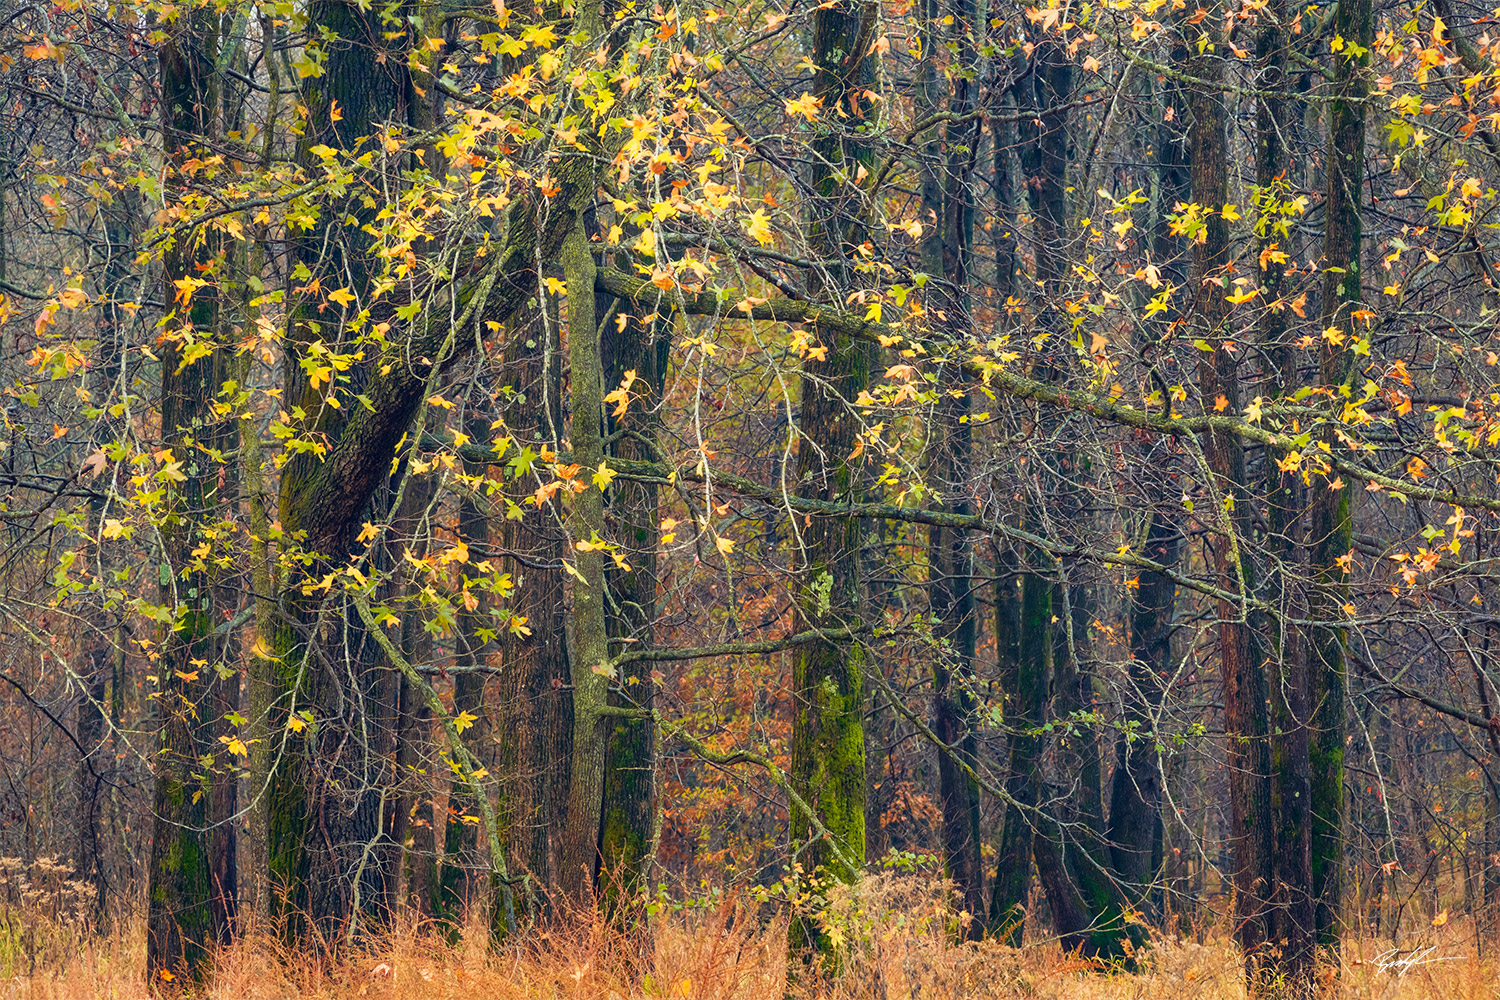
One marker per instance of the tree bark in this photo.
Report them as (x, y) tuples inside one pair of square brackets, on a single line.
[(628, 833), (1331, 526), (1243, 677), (591, 661), (948, 251), (828, 740), (186, 913)]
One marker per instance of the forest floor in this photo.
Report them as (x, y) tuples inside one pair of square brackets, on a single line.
[(733, 950)]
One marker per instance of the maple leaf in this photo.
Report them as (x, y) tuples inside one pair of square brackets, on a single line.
[(759, 227), (807, 105), (186, 287)]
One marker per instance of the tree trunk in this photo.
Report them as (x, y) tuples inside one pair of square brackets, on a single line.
[(1292, 957), (461, 885), (627, 835), (1245, 717), (1025, 703), (327, 849), (828, 740), (185, 915), (1331, 526), (948, 251), (591, 669), (533, 748)]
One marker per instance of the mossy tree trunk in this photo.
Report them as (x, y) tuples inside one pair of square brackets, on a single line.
[(328, 854), (1331, 526), (828, 740), (1025, 692), (184, 918), (1291, 921), (591, 660)]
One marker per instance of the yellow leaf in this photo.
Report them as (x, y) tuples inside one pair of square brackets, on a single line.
[(725, 545), (343, 296), (759, 227), (186, 287), (807, 105)]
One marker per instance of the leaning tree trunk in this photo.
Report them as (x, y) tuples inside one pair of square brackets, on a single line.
[(324, 803)]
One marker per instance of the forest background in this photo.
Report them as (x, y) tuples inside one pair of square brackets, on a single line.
[(1024, 473)]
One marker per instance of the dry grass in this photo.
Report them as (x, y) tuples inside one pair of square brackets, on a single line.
[(898, 943)]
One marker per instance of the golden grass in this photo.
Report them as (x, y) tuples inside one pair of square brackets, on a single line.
[(898, 943)]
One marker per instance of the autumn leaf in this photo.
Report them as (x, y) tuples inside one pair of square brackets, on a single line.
[(759, 227), (807, 105), (235, 746)]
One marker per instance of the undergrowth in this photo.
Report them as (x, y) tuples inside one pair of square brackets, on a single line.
[(896, 932)]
